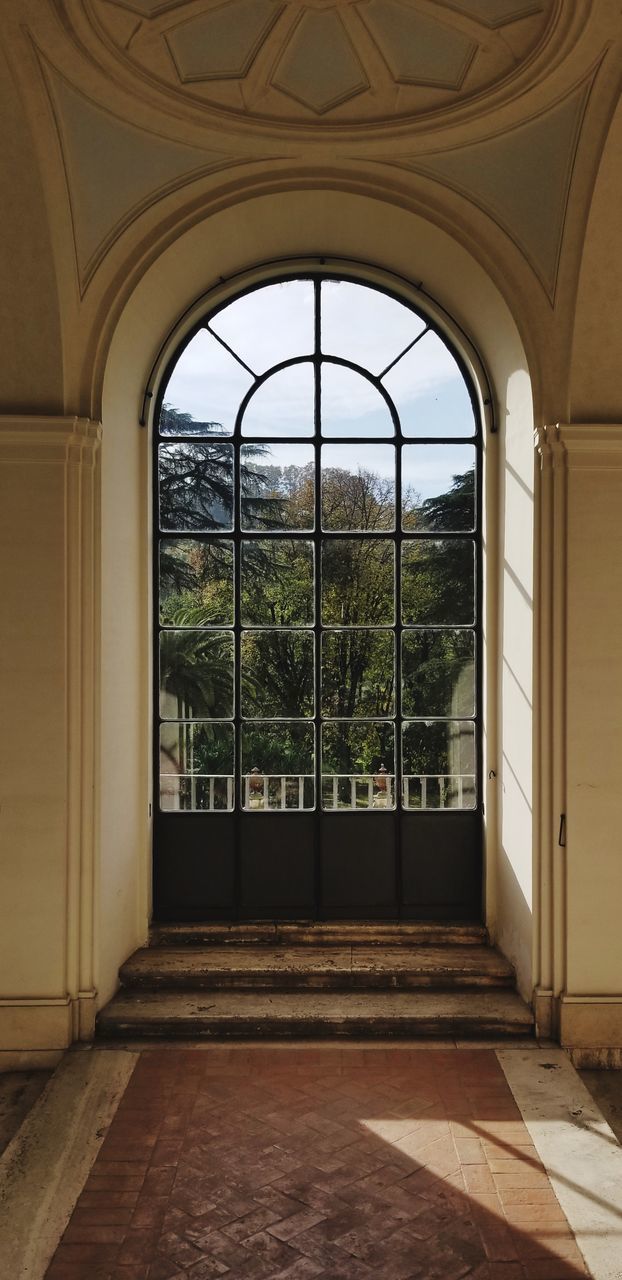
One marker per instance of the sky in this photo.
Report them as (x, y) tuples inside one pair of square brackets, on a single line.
[(358, 323)]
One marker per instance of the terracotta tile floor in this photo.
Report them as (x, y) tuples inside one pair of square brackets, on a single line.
[(346, 1163)]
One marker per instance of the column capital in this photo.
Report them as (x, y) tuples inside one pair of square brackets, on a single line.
[(47, 438), (581, 445)]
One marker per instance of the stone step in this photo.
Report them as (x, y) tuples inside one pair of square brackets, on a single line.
[(316, 968), (368, 933), (365, 1015)]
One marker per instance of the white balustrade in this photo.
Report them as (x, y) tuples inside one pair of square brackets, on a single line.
[(453, 791), (340, 791)]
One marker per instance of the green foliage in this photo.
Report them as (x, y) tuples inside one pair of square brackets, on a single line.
[(277, 582), (196, 672), (277, 668), (196, 578), (357, 597)]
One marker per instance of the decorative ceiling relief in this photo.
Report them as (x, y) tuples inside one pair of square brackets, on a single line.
[(319, 67), (417, 49), (115, 169), (495, 13), (210, 46), (149, 8), (521, 179), (328, 62)]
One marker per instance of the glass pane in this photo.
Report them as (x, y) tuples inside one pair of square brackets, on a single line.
[(196, 766), (438, 581), (438, 673), (277, 582), (203, 394), (196, 583), (358, 673), (277, 482), (271, 324), (358, 486), (352, 406), (277, 675), (358, 769), (429, 391), (196, 486), (358, 581), (196, 674), (278, 764), (438, 487), (365, 326), (283, 405), (439, 765)]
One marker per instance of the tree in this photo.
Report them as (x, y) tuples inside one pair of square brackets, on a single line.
[(196, 671)]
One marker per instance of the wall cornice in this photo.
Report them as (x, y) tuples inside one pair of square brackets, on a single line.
[(47, 438), (580, 445)]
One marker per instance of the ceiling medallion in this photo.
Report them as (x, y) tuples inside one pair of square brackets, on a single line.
[(331, 61)]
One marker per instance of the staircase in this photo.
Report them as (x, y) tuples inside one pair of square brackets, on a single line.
[(362, 980)]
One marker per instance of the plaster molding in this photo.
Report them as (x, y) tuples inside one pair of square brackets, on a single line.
[(550, 872), (591, 1023), (82, 550), (420, 60), (34, 1002), (520, 179), (591, 446), (579, 446), (35, 1024), (40, 439)]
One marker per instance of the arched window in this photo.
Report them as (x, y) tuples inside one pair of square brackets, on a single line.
[(317, 462)]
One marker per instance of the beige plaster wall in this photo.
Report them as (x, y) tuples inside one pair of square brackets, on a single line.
[(594, 713), (33, 746), (123, 886), (515, 859)]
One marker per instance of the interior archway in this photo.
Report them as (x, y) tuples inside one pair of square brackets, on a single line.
[(400, 244)]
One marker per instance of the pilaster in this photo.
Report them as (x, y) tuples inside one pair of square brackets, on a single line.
[(578, 872), (49, 583)]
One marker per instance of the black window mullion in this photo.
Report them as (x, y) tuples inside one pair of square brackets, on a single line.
[(237, 664), (317, 628)]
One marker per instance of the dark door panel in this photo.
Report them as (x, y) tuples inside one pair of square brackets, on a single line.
[(442, 865), (194, 867), (358, 865), (277, 865)]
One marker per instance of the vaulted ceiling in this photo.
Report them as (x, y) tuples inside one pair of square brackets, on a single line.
[(488, 116)]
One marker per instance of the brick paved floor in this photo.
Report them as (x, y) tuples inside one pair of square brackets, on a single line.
[(345, 1163)]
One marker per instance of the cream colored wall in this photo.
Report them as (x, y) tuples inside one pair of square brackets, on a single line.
[(515, 707), (594, 713), (33, 761), (123, 896)]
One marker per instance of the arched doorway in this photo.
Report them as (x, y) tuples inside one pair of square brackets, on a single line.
[(317, 484)]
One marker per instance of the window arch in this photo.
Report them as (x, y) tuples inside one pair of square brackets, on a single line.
[(318, 488)]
